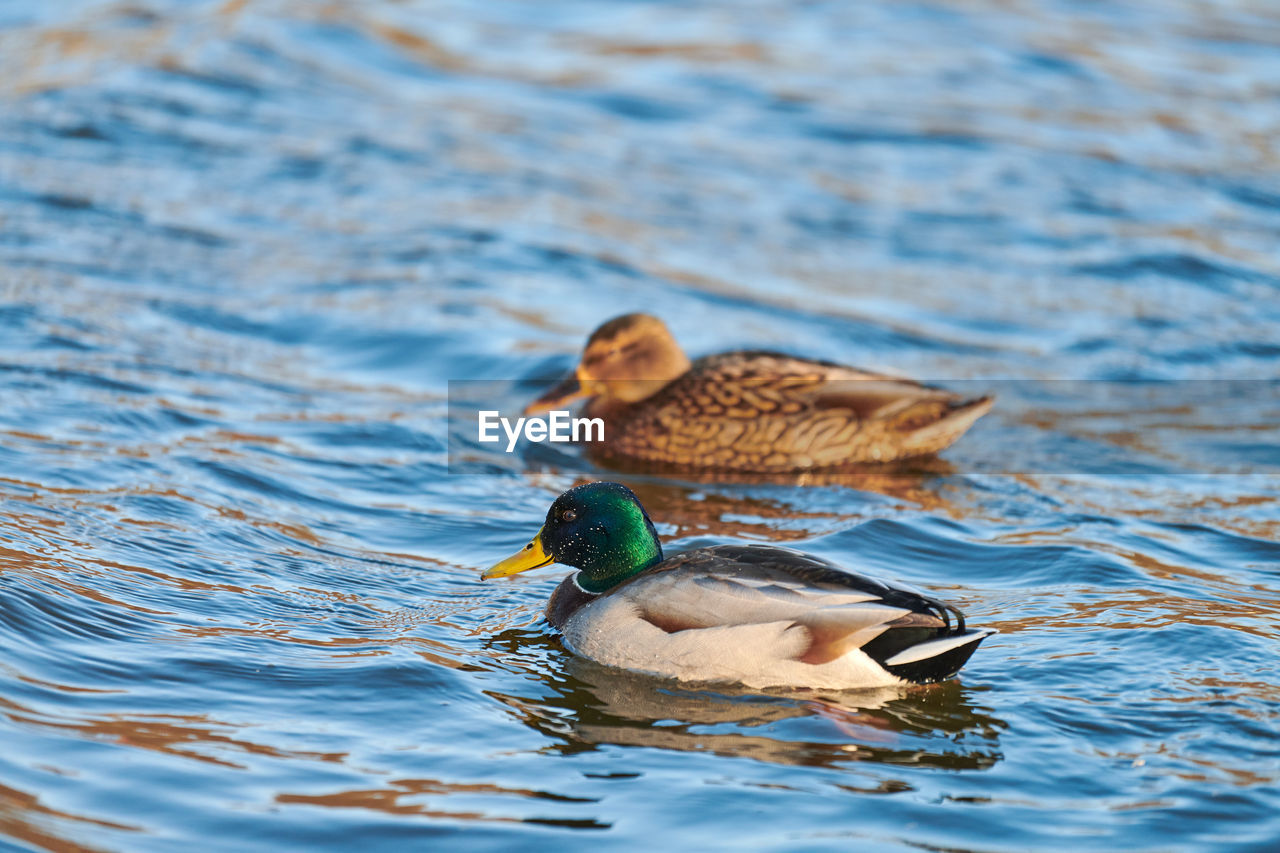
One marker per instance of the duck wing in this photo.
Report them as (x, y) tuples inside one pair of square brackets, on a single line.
[(764, 380), (908, 633), (763, 410)]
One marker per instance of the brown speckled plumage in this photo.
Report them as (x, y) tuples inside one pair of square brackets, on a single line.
[(752, 411)]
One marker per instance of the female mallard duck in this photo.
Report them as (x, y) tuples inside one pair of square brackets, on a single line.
[(750, 411), (754, 614)]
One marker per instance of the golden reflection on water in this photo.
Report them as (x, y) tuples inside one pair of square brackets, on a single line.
[(186, 736), (24, 817), (693, 504), (1214, 772), (696, 512), (1186, 503), (194, 736), (1147, 610), (396, 799), (1243, 607)]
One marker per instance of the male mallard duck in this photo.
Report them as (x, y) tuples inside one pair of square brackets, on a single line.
[(754, 614), (750, 410)]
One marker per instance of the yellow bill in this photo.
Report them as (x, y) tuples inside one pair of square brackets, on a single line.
[(531, 556)]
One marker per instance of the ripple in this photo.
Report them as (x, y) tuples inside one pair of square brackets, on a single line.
[(246, 247)]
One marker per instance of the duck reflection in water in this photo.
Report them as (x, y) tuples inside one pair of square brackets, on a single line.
[(581, 706), (745, 506)]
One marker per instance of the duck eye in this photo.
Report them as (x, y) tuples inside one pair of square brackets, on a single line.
[(568, 515)]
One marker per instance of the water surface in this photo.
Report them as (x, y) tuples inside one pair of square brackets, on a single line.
[(245, 245)]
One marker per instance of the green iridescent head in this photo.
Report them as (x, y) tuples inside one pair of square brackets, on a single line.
[(599, 529)]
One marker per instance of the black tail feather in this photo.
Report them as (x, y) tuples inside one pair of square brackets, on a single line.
[(938, 667)]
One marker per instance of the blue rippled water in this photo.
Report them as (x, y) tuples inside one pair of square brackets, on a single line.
[(244, 246)]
